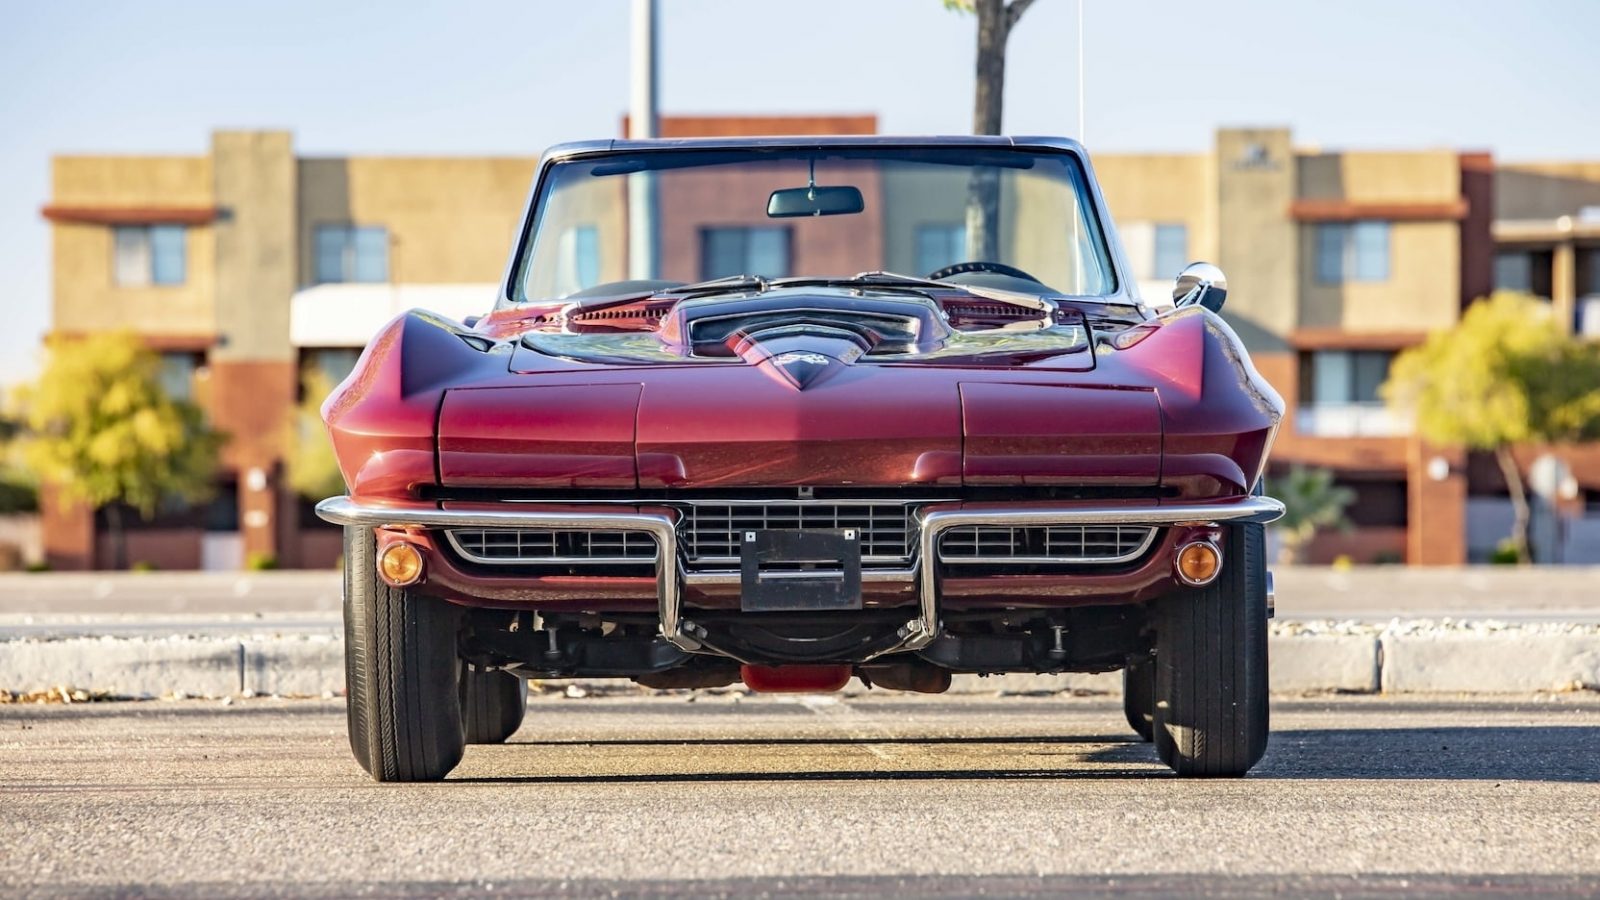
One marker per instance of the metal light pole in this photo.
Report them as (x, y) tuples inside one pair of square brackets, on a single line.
[(1080, 72), (642, 123)]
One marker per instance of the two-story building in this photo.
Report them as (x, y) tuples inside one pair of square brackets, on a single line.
[(248, 265)]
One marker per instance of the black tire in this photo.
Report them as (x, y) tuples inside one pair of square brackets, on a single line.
[(401, 673), (1139, 695), (492, 705), (1211, 711)]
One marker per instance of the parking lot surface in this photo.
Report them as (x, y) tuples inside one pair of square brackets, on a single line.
[(737, 795)]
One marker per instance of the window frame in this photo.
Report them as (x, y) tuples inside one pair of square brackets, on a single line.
[(943, 230), (744, 232), (350, 260), (1347, 261), (1308, 381), (1156, 230), (146, 253)]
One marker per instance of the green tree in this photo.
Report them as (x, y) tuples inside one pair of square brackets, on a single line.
[(19, 490), (996, 18), (313, 470), (1311, 502), (101, 429), (1508, 373)]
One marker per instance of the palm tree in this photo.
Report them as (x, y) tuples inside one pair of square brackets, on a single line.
[(1311, 502)]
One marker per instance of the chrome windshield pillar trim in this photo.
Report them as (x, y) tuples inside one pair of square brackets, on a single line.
[(344, 510), (934, 522)]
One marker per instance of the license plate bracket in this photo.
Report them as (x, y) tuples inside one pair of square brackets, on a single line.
[(797, 571)]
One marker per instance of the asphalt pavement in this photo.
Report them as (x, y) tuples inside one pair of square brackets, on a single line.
[(733, 795)]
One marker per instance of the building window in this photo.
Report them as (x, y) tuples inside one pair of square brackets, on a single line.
[(1333, 377), (351, 253), (1352, 251), (578, 262), (149, 254), (939, 244), (178, 371), (1339, 394), (1171, 250), (762, 251), (332, 363), (1513, 272)]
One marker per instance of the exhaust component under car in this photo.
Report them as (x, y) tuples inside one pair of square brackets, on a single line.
[(921, 678), (795, 679)]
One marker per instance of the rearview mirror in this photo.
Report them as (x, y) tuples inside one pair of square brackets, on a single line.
[(1200, 283), (838, 200)]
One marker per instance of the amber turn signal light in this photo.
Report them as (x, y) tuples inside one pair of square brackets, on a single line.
[(400, 564), (1198, 563)]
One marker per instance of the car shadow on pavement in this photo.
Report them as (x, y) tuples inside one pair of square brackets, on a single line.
[(841, 741), (1482, 753), (986, 774), (1490, 753), (1562, 753)]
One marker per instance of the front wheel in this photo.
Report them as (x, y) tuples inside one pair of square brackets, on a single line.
[(401, 673), (1211, 713)]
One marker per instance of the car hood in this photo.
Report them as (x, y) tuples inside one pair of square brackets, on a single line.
[(1172, 404), (729, 426)]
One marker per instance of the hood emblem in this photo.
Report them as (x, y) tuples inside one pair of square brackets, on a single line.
[(800, 354), (799, 369), (797, 357)]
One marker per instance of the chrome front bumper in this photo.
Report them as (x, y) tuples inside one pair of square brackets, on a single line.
[(671, 575)]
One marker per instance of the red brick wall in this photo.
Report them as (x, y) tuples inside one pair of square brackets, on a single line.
[(837, 245), (753, 126)]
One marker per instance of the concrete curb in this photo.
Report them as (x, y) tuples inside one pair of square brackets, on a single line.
[(125, 668), (1402, 659), (1512, 661)]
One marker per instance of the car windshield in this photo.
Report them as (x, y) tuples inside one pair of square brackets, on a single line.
[(631, 222)]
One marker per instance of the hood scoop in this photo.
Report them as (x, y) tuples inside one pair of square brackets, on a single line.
[(802, 354)]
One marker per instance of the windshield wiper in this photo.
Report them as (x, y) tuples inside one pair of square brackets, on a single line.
[(886, 280), (724, 285), (893, 280)]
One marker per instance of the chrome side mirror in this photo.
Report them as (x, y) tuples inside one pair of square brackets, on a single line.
[(1200, 283)]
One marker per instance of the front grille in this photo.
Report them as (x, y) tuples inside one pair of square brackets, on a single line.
[(1045, 544), (711, 532), (507, 546)]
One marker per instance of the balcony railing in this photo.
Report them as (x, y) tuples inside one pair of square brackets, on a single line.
[(1350, 420)]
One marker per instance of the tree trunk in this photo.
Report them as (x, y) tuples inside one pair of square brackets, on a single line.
[(994, 26), (983, 191), (119, 537), (1519, 501)]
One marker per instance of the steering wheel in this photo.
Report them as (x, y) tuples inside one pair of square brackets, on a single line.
[(963, 268)]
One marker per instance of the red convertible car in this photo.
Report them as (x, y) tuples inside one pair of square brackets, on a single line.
[(795, 410)]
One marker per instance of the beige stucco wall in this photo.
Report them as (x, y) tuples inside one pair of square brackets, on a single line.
[(1422, 292), (1545, 190), (255, 184), (912, 197), (600, 203), (1257, 244), (450, 221), (85, 296), (1426, 176), (1163, 188)]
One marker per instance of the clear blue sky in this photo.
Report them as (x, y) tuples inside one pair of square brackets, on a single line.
[(510, 77)]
